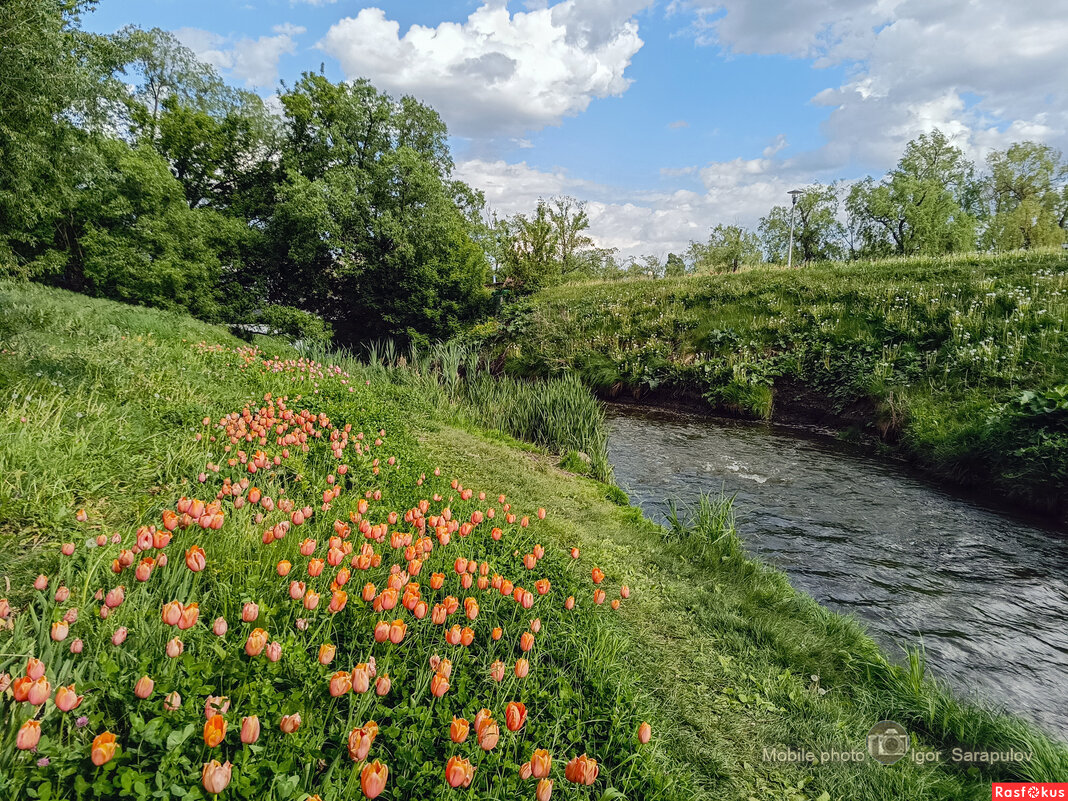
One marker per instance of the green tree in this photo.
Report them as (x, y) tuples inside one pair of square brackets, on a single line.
[(1028, 192), (817, 231), (675, 266), (570, 223), (530, 250), (926, 205), (727, 249)]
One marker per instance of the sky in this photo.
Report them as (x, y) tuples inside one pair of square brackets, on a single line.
[(665, 116)]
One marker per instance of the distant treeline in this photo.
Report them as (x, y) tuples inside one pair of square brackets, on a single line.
[(130, 170), (934, 202)]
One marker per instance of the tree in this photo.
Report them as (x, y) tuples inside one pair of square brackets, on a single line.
[(675, 266), (529, 254), (570, 223), (817, 231), (1028, 190), (728, 248), (926, 205)]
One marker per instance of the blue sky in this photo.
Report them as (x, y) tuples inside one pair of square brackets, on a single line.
[(667, 117)]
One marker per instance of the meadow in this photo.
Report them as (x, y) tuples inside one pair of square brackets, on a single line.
[(960, 363), (234, 569)]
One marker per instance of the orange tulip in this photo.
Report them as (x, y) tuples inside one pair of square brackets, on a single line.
[(195, 559), (439, 685), (373, 779), (645, 732), (60, 630), (214, 731), (581, 770), (458, 772), (488, 735), (250, 729), (598, 596), (215, 777), (397, 630), (541, 762), (66, 698), (515, 715), (382, 685), (497, 632), (28, 736), (497, 671), (522, 668), (326, 653), (190, 613), (172, 613), (290, 723), (256, 642), (103, 748), (544, 791), (39, 691), (459, 730), (569, 604), (359, 743), (143, 688), (361, 678)]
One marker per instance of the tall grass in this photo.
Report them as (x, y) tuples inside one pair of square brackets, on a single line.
[(558, 414)]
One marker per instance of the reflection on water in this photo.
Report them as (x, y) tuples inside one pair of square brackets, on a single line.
[(987, 594)]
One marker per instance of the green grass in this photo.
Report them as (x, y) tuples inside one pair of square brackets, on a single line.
[(960, 362), (715, 650)]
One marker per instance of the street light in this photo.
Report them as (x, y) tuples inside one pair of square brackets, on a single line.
[(793, 202)]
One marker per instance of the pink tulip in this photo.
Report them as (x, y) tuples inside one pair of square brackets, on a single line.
[(250, 729), (119, 637), (219, 627)]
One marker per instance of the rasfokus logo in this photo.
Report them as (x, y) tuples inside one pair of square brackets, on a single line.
[(1029, 790), (888, 742)]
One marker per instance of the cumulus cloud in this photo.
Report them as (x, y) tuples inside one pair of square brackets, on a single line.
[(987, 72), (254, 61), (640, 222), (497, 73)]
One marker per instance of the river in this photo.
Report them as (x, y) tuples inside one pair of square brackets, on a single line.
[(986, 593)]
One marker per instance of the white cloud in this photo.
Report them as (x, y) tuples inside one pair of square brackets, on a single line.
[(639, 222), (987, 72), (497, 73), (678, 124), (254, 61)]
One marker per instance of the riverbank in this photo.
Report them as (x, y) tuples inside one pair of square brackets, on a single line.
[(959, 364), (104, 409)]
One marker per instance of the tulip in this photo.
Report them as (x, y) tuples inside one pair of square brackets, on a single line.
[(497, 633), (624, 591), (458, 772), (250, 729), (103, 748), (215, 777), (382, 685), (216, 705), (340, 683), (41, 582), (60, 629), (373, 779), (195, 559), (361, 678), (175, 647), (569, 604), (62, 594), (173, 702), (256, 642), (535, 625), (296, 590), (525, 771), (397, 630), (284, 567), (77, 646), (598, 596), (515, 715), (522, 668), (359, 744), (439, 685), (326, 653), (5, 609), (290, 723), (311, 600), (190, 614), (338, 599), (28, 736), (214, 730), (544, 791), (274, 652), (488, 735), (459, 729), (143, 688), (219, 627), (574, 553), (250, 612), (115, 597), (645, 732), (581, 770), (497, 671), (67, 699), (172, 613), (39, 691)]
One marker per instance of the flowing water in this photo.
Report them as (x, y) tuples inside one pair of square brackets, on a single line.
[(987, 594)]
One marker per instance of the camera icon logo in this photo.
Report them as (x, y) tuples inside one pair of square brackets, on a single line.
[(887, 742)]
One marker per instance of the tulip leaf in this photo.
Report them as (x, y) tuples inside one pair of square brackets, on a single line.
[(177, 737)]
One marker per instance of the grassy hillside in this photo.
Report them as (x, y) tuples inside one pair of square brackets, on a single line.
[(102, 435), (961, 362)]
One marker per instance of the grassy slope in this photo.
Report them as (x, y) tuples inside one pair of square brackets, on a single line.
[(934, 354), (717, 651)]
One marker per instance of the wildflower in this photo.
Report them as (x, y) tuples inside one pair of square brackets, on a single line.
[(544, 791)]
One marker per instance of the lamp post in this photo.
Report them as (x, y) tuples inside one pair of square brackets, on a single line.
[(793, 202)]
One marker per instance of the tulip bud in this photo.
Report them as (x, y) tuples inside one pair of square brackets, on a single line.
[(219, 627), (544, 791), (250, 729), (382, 685), (28, 736), (143, 688), (173, 702)]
